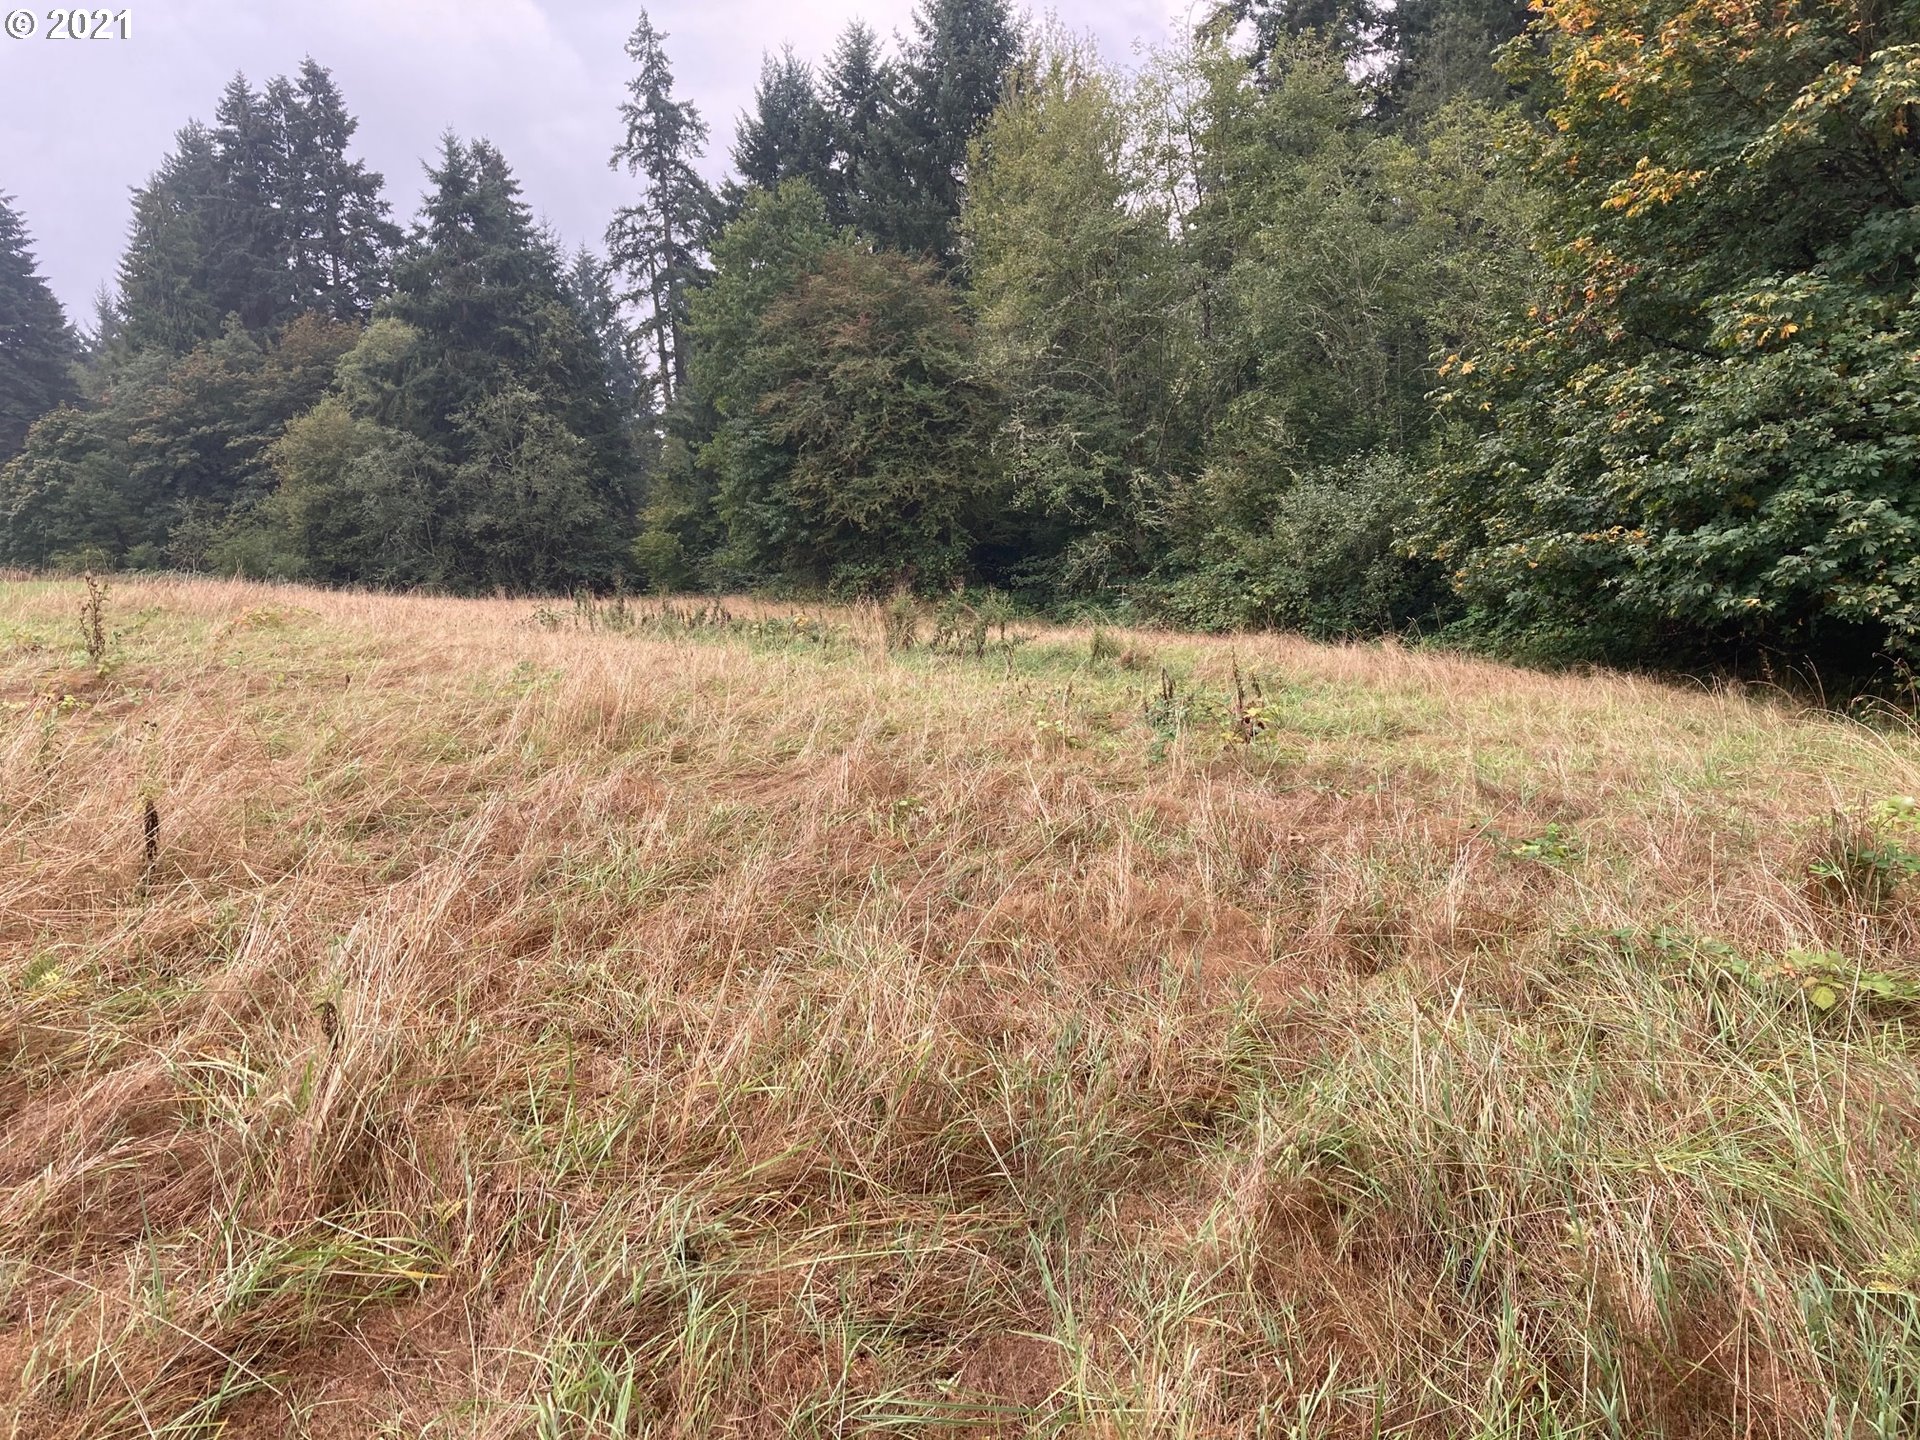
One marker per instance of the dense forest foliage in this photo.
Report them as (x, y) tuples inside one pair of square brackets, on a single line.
[(1585, 329)]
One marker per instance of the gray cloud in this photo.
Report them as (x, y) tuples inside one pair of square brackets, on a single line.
[(82, 123)]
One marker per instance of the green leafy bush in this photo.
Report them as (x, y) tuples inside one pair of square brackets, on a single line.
[(1324, 557)]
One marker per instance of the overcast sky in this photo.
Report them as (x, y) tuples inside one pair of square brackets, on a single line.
[(81, 123)]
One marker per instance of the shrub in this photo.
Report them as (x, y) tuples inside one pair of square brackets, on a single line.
[(661, 560), (900, 620), (1324, 558)]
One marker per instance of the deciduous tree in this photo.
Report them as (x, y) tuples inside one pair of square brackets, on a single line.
[(1086, 317), (1707, 436)]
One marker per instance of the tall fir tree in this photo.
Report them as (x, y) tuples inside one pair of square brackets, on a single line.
[(246, 254), (1411, 56), (196, 446), (853, 439), (496, 375), (477, 280), (596, 307), (37, 346), (860, 92), (657, 242), (953, 74), (868, 461), (788, 134), (103, 343), (1354, 29), (166, 296), (340, 240), (1440, 50), (263, 216)]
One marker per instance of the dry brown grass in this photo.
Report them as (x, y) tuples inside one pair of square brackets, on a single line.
[(528, 1027)]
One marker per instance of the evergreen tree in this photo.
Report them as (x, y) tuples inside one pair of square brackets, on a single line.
[(166, 295), (870, 461), (1353, 29), (859, 93), (596, 309), (181, 449), (103, 345), (1442, 50), (170, 452), (953, 75), (66, 499), (1411, 56), (787, 135), (484, 288), (854, 443), (483, 360), (657, 242), (778, 236), (339, 239), (199, 433), (38, 351), (476, 283), (263, 216), (246, 254)]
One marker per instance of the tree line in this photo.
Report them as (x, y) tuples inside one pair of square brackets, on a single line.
[(1583, 330)]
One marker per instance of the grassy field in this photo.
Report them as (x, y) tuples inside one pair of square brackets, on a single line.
[(515, 1020)]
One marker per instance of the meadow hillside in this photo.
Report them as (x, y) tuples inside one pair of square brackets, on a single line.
[(474, 1018)]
